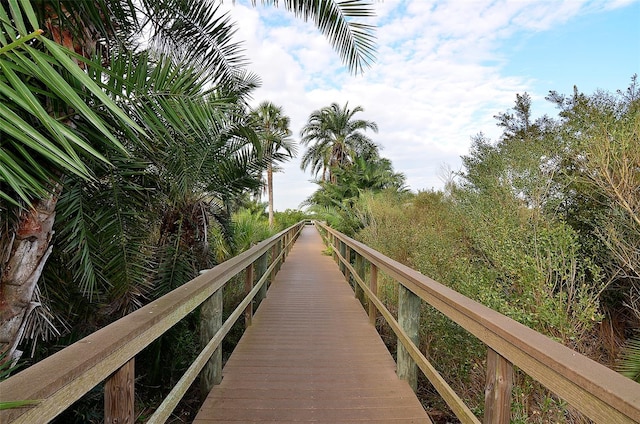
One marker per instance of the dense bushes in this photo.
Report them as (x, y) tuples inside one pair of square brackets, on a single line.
[(541, 226)]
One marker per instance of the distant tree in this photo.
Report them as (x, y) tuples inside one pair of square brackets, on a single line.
[(339, 201), (272, 128), (336, 139)]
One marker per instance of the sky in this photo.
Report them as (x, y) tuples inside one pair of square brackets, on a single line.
[(444, 69)]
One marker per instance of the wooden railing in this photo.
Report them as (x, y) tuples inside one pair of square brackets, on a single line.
[(109, 354), (598, 392)]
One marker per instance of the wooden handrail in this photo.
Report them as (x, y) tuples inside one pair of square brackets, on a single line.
[(600, 393), (64, 377)]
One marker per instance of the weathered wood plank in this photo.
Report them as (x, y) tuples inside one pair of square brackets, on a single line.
[(600, 393), (311, 355)]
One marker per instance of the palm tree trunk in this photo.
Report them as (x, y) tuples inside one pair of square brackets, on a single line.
[(30, 246), (270, 191)]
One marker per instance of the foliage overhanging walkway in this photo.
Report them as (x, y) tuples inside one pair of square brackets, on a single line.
[(311, 355)]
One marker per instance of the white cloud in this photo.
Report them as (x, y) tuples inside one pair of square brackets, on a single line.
[(437, 80)]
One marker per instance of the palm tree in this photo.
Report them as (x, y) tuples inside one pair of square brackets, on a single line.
[(374, 174), (272, 127), (337, 140), (67, 134)]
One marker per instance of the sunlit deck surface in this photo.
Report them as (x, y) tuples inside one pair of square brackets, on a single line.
[(311, 355)]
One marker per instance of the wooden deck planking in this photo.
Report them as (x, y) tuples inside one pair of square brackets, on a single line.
[(311, 355)]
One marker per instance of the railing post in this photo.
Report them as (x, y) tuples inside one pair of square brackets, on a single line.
[(119, 395), (261, 268), (334, 246), (347, 257), (210, 323), (285, 248), (497, 391), (360, 271), (248, 285), (272, 259), (343, 253), (373, 285), (409, 320)]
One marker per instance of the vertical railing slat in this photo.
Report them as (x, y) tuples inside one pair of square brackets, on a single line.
[(261, 268), (119, 393), (343, 253), (359, 265), (373, 285), (248, 285), (409, 320), (347, 257), (497, 392), (210, 323)]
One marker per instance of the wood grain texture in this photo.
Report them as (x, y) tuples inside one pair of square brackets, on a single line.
[(497, 393), (409, 320), (261, 268), (210, 323), (597, 391), (119, 394), (61, 379), (311, 355), (248, 286)]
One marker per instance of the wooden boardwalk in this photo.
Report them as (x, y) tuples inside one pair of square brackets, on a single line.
[(311, 355)]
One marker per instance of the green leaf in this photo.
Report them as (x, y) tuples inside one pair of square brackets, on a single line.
[(16, 13), (31, 15), (59, 53)]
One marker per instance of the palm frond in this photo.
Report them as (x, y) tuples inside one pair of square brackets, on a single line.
[(353, 40), (629, 364), (198, 33), (42, 91)]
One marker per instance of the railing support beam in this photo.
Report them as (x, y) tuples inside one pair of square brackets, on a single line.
[(119, 395), (409, 320), (497, 391)]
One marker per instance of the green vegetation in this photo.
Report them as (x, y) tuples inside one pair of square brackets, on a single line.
[(348, 162), (541, 226), (126, 165), (272, 127), (127, 145)]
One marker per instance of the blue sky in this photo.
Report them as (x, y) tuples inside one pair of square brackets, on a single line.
[(444, 69)]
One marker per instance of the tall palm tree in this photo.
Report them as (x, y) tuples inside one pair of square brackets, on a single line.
[(272, 127), (337, 139), (66, 133)]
